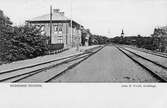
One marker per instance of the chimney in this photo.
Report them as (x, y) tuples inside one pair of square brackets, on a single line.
[(62, 13), (1, 13), (56, 10)]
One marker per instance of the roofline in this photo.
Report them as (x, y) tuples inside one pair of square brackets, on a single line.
[(48, 21)]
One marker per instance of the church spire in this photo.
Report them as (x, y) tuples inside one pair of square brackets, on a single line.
[(122, 34)]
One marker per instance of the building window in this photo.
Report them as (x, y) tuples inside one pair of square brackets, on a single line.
[(58, 28), (60, 39)]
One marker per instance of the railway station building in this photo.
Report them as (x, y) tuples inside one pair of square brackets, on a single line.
[(61, 28)]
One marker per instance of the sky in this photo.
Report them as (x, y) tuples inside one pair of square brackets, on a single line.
[(103, 17)]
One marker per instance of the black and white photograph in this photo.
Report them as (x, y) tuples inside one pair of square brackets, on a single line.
[(83, 53), (83, 41)]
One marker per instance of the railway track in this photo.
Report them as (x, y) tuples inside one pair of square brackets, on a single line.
[(150, 52), (157, 70), (46, 71)]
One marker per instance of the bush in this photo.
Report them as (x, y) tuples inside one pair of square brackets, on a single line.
[(24, 42)]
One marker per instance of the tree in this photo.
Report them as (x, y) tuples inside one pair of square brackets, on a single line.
[(26, 42), (159, 38), (18, 43), (5, 34), (97, 39)]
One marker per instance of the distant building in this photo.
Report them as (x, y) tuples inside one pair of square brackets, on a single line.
[(61, 28)]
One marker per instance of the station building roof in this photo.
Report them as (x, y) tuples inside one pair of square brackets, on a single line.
[(46, 17), (57, 16)]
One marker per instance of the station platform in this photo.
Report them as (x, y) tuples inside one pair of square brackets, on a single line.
[(46, 58)]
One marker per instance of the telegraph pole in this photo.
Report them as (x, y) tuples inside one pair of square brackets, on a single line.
[(50, 24), (71, 23)]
